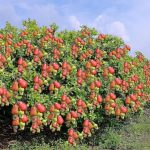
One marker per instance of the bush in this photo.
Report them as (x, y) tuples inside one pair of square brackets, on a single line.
[(74, 79)]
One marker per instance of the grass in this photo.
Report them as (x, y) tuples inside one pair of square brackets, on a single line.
[(134, 135)]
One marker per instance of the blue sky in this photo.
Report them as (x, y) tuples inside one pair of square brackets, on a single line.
[(129, 19)]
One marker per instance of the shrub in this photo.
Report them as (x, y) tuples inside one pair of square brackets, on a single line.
[(76, 79)]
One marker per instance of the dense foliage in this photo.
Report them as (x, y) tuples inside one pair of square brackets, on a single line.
[(69, 78)]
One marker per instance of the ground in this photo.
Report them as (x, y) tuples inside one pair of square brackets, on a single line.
[(134, 134)]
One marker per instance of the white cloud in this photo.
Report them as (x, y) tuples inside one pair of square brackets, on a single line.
[(118, 28), (99, 18), (108, 24), (75, 23)]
